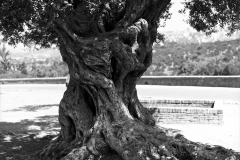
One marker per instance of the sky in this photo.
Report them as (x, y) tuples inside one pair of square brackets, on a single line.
[(177, 20)]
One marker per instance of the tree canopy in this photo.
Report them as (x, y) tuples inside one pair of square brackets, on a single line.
[(30, 20), (206, 15)]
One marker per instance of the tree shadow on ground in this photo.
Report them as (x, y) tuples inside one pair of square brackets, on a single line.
[(21, 140), (33, 108)]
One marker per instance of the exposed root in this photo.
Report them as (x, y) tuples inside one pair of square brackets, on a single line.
[(134, 140), (58, 149), (79, 153)]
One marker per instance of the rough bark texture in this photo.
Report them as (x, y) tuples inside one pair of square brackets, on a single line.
[(100, 113)]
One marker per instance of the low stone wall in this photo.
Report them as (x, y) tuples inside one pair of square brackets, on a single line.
[(170, 112), (178, 103), (207, 81), (187, 116)]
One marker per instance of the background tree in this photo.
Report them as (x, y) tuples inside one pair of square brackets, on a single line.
[(206, 15), (5, 59), (107, 45), (216, 58), (23, 68)]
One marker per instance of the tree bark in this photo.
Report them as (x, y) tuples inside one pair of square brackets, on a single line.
[(100, 114)]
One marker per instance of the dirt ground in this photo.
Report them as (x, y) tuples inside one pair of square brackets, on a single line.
[(21, 140), (29, 120)]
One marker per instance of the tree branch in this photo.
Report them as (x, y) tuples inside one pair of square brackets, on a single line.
[(152, 15), (134, 11)]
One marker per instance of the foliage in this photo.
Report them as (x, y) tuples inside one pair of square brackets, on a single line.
[(5, 64), (10, 74), (23, 68), (36, 69), (206, 15), (218, 58), (211, 66), (160, 38), (30, 20), (27, 21), (56, 69)]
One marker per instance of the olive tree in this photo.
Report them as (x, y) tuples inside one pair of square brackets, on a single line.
[(107, 45)]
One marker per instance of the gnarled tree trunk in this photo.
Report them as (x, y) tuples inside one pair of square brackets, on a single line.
[(100, 113)]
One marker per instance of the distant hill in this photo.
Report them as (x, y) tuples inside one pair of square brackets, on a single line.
[(185, 52), (189, 35), (37, 54), (185, 36), (209, 58)]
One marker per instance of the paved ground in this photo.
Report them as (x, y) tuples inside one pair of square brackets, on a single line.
[(187, 92), (228, 99)]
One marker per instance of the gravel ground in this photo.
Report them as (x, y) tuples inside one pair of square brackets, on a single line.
[(16, 104)]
